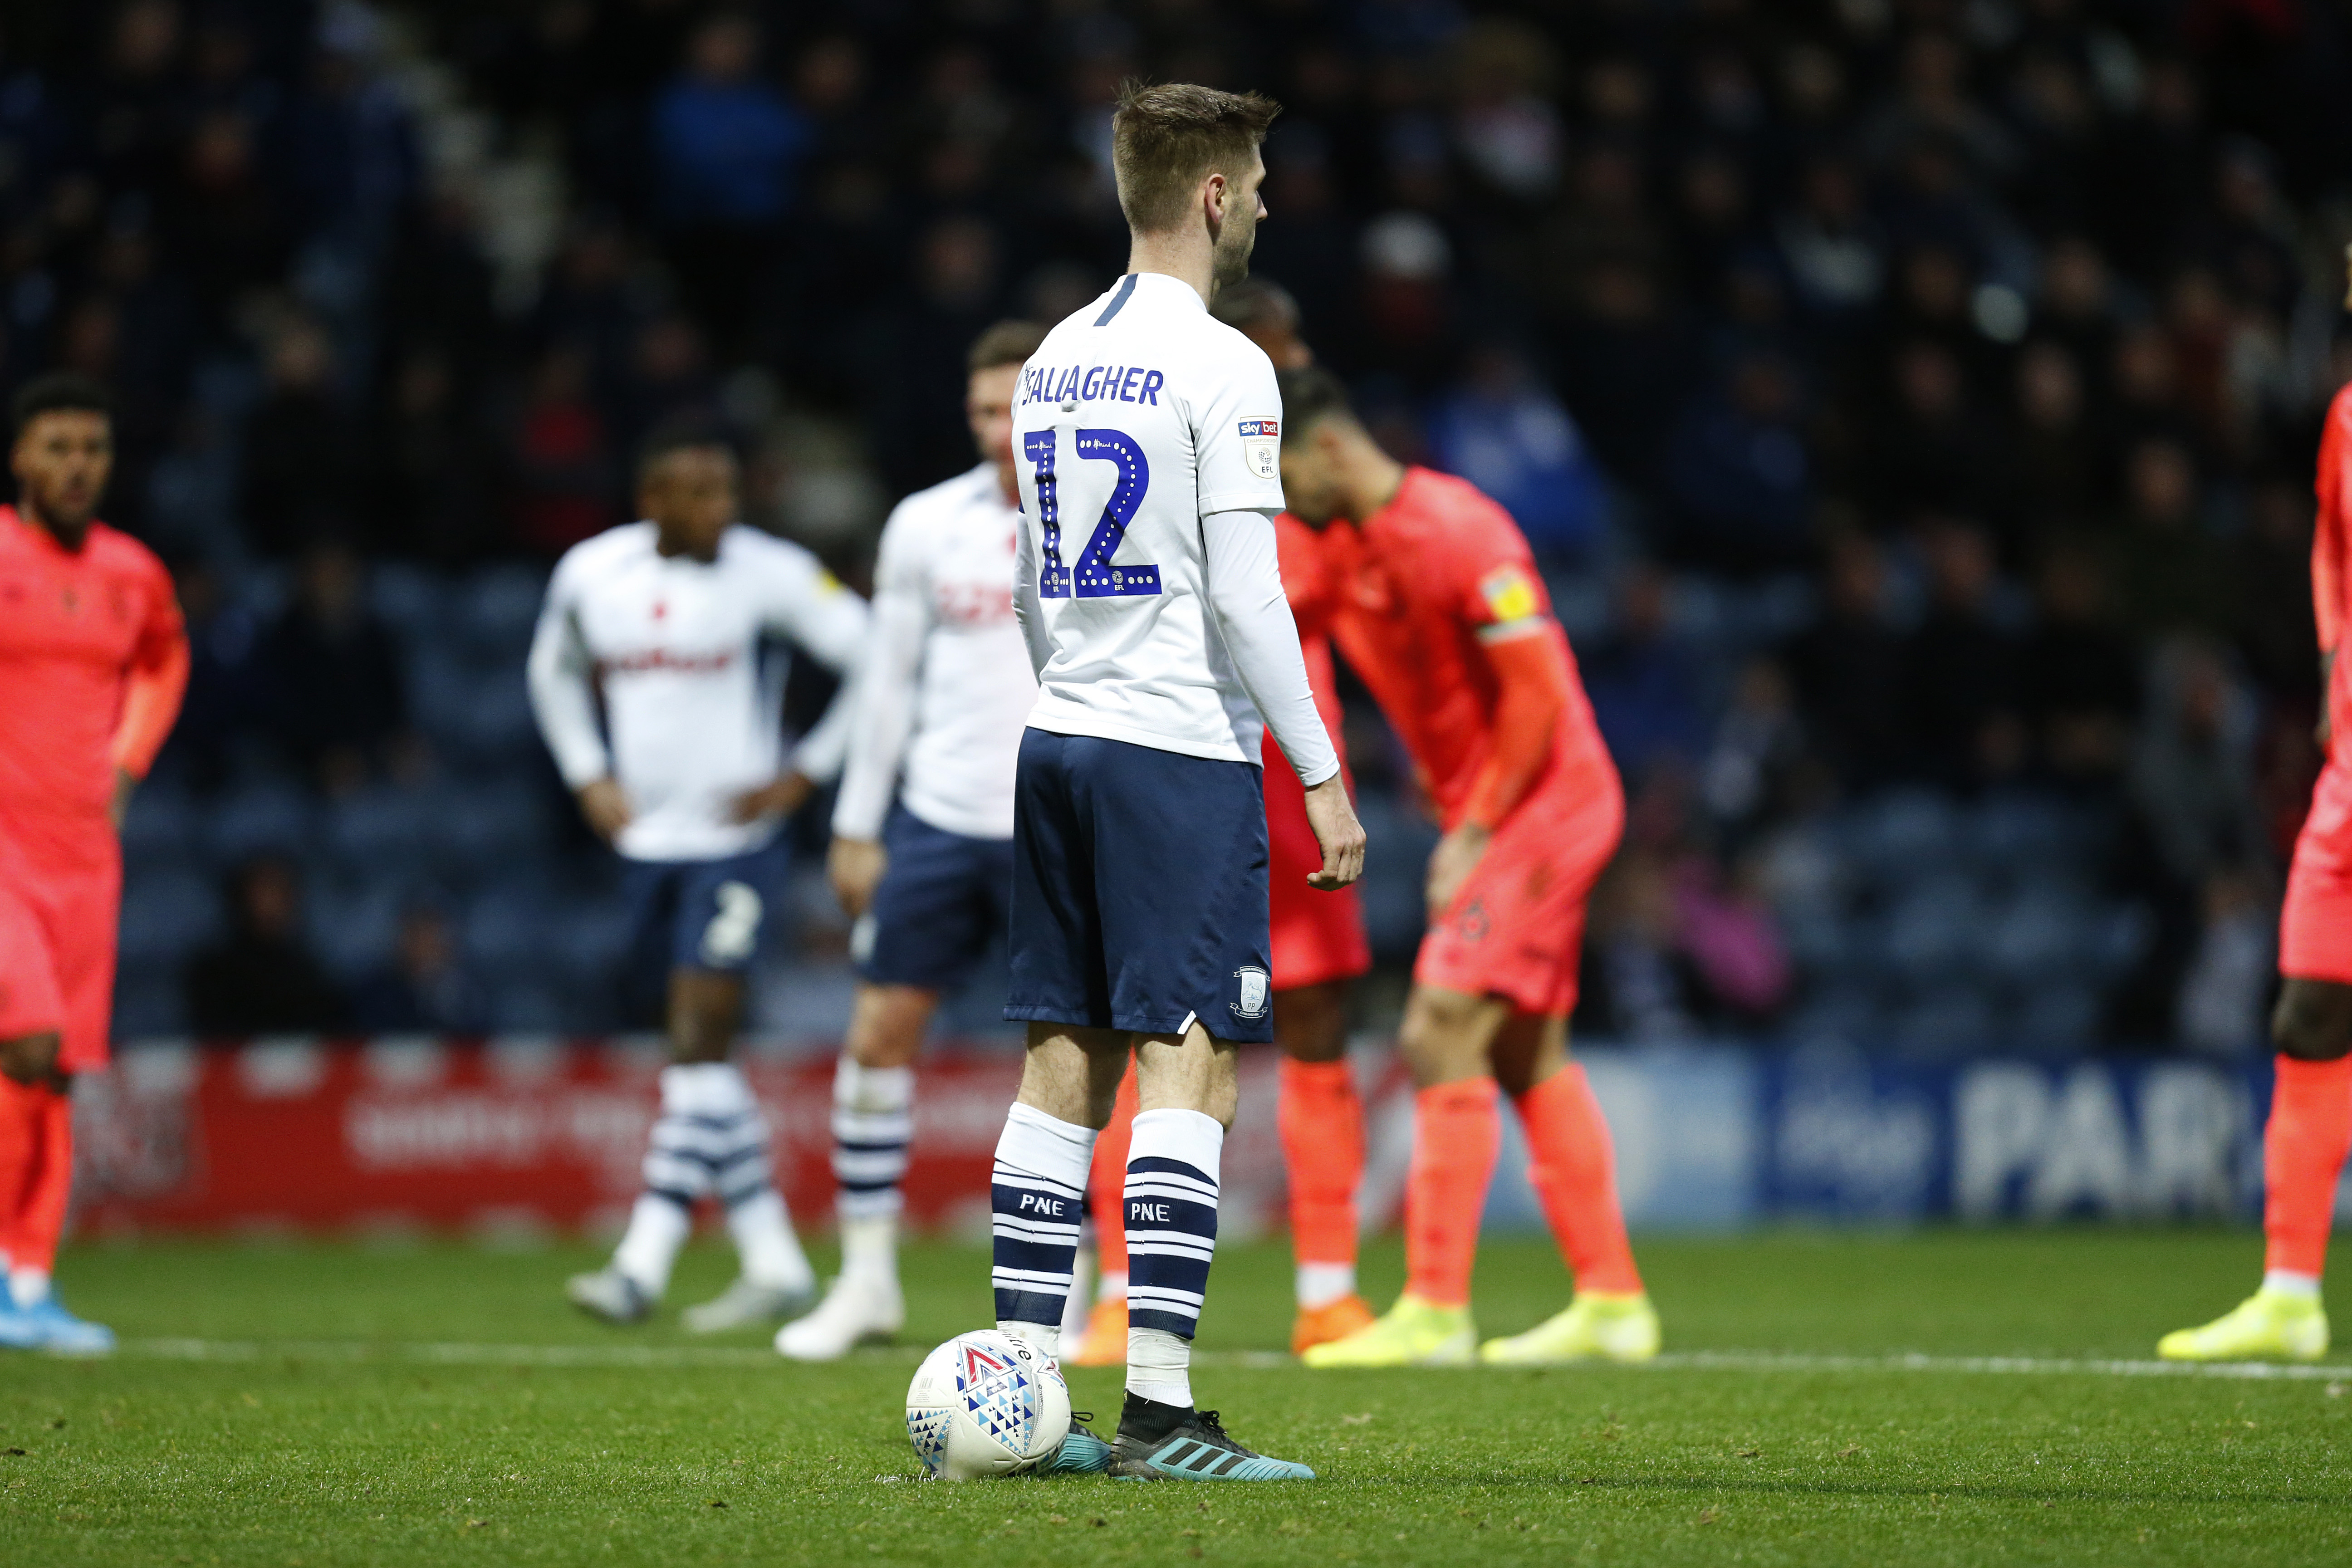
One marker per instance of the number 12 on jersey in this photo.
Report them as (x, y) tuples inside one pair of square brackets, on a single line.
[(1096, 577)]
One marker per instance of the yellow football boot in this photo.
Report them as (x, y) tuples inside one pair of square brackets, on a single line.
[(1598, 1325), (2268, 1325), (1414, 1333)]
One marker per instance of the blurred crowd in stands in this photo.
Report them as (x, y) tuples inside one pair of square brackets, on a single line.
[(1913, 402)]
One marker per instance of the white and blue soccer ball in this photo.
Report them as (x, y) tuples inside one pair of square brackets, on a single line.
[(987, 1404)]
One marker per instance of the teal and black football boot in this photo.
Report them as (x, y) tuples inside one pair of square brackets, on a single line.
[(1169, 1443), (1081, 1453)]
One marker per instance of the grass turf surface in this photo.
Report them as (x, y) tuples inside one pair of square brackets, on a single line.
[(334, 1435)]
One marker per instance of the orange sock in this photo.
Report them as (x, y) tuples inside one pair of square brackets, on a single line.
[(36, 1174), (1572, 1165), (1455, 1133), (1106, 1182), (1323, 1155), (2303, 1154), (20, 1156)]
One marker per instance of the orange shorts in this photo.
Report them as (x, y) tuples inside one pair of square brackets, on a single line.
[(1317, 937), (1517, 928), (57, 956), (2315, 924)]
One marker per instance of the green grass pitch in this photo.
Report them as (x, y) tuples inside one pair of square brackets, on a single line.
[(323, 1405)]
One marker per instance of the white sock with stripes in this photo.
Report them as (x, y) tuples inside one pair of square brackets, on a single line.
[(1170, 1207), (1038, 1196), (873, 1121)]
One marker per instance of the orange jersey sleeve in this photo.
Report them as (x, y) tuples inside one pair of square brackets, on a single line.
[(1531, 692), (154, 680), (2331, 573)]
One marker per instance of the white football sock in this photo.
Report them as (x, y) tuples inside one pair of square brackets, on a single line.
[(29, 1287), (2288, 1282), (869, 1247), (1171, 1209), (1320, 1283), (1113, 1286), (1075, 1305), (1038, 1193), (1160, 1366), (657, 1228), (763, 1237)]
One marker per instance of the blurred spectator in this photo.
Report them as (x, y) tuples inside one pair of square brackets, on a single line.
[(430, 499), (1644, 680), (2057, 475), (302, 448), (1759, 742), (2176, 576), (427, 988), (227, 696), (334, 675), (263, 978), (2079, 681), (2191, 775), (727, 148), (1502, 430), (1961, 672), (1739, 473), (1849, 669), (2226, 991), (566, 475)]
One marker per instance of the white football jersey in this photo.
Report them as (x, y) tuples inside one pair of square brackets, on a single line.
[(692, 710), (946, 688), (1138, 416)]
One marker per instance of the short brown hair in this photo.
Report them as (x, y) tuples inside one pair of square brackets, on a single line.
[(1007, 343), (1310, 395), (1164, 141)]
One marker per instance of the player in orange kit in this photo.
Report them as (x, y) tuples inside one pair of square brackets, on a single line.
[(92, 662), (1440, 612), (2311, 1096), (1317, 947)]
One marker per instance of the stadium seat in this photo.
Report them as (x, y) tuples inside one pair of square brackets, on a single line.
[(1902, 834), (162, 824), (269, 815), (496, 610), (383, 829), (408, 599), (1932, 931), (1948, 1021), (353, 922)]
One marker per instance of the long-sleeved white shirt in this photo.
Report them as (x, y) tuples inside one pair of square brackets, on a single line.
[(946, 687), (1146, 578), (682, 653)]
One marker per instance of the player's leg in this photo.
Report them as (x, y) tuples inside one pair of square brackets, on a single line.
[(2304, 1149), (1322, 1124), (1573, 1166), (1105, 1340), (1457, 1128), (873, 1123), (938, 907), (56, 976)]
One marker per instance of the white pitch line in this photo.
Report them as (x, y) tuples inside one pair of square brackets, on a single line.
[(687, 1356)]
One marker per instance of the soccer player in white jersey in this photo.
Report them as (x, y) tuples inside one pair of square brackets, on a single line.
[(940, 701), (1148, 436), (669, 620)]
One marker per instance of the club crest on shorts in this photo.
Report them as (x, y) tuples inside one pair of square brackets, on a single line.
[(1255, 989)]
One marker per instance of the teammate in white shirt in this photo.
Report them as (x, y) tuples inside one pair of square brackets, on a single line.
[(1149, 436), (940, 702), (666, 620)]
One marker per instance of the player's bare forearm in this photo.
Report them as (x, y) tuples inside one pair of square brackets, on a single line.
[(1450, 863), (1332, 815), (855, 867), (606, 806), (786, 795)]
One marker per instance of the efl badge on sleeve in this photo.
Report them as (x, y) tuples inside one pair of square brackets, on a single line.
[(1509, 593), (1262, 447)]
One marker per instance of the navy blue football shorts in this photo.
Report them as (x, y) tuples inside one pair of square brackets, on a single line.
[(943, 901), (1139, 889), (704, 914)]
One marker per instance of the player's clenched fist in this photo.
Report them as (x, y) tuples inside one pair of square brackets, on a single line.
[(1333, 816)]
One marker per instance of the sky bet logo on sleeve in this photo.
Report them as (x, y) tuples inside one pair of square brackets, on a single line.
[(1262, 447)]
